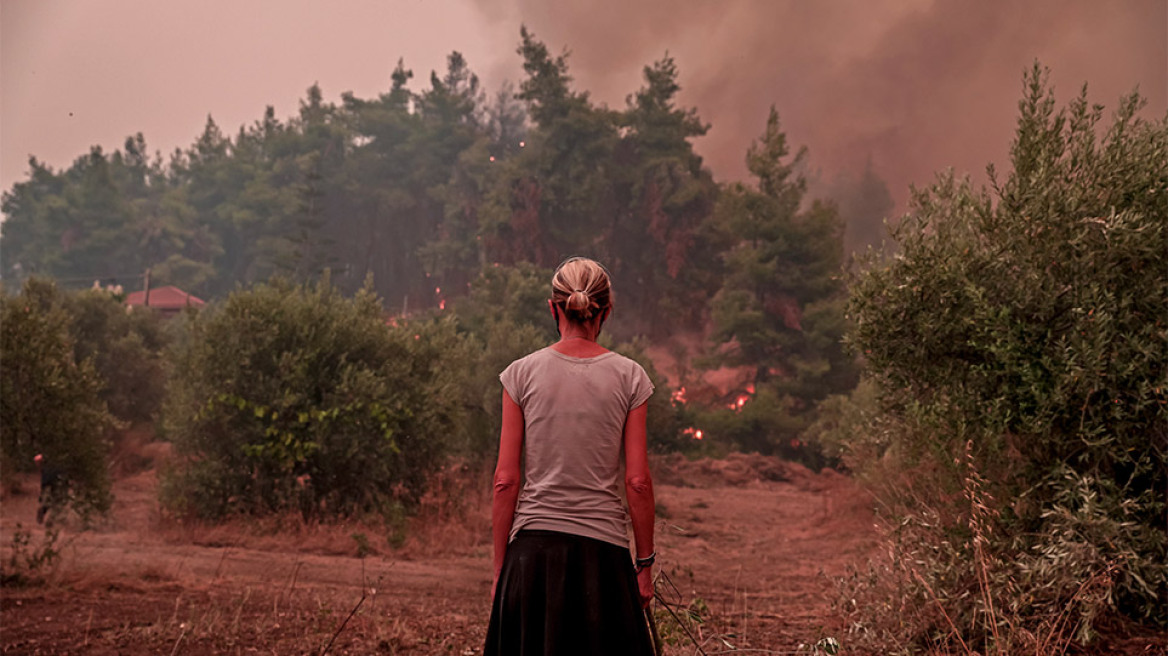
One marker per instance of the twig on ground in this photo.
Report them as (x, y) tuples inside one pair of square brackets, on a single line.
[(179, 641), (222, 558), (343, 624), (295, 572)]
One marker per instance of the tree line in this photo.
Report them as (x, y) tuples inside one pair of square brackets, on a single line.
[(420, 189)]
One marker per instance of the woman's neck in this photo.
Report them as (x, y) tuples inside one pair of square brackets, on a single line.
[(579, 341), (578, 347)]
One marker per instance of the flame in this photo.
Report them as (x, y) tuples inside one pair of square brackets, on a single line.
[(522, 144), (492, 158), (695, 433), (437, 290), (442, 304), (678, 395), (741, 399)]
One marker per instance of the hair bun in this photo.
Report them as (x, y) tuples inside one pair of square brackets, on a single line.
[(578, 301)]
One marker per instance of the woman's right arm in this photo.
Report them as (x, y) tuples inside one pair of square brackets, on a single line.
[(639, 489), (506, 481)]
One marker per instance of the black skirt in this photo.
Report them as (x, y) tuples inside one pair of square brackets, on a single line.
[(566, 595)]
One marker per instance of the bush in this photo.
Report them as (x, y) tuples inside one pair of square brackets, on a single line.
[(50, 401), (288, 397), (1027, 322), (126, 349), (506, 316)]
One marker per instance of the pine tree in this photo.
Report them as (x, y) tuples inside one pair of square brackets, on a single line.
[(780, 309)]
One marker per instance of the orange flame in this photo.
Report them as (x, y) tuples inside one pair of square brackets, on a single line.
[(695, 433), (678, 395)]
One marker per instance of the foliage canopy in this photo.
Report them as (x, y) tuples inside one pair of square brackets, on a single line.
[(295, 397)]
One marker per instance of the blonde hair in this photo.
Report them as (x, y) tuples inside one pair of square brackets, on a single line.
[(581, 288)]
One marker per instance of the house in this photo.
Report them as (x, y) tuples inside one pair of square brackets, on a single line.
[(169, 300)]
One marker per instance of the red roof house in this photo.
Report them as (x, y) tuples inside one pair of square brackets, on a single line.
[(168, 300)]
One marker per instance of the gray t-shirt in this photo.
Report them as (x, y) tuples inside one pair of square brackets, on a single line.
[(574, 412)]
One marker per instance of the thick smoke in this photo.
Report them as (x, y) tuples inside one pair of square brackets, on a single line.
[(914, 86)]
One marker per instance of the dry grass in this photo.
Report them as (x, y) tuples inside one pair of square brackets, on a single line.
[(945, 585), (452, 517)]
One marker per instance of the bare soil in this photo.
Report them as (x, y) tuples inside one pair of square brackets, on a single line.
[(747, 542)]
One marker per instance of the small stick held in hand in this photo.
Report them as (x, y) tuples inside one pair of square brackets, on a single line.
[(658, 647)]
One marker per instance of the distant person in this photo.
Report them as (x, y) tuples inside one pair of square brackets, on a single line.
[(52, 487), (565, 583)]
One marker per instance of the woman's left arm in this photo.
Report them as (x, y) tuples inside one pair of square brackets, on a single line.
[(506, 481), (639, 489)]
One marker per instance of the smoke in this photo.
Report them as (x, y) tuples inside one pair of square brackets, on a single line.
[(914, 86)]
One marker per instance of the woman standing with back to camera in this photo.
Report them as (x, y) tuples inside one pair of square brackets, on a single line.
[(564, 580)]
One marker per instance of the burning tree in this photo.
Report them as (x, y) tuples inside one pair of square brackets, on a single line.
[(780, 309)]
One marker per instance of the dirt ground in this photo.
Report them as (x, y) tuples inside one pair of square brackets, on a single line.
[(747, 548), (747, 542)]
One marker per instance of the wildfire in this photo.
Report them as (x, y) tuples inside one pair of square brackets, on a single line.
[(695, 433), (741, 399), (678, 395), (442, 304)]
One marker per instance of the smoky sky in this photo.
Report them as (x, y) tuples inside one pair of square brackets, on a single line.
[(913, 86)]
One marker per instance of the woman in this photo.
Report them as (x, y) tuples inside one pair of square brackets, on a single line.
[(564, 581)]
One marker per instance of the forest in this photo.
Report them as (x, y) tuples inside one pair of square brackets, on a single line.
[(991, 365)]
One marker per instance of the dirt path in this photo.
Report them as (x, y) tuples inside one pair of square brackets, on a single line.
[(746, 542)]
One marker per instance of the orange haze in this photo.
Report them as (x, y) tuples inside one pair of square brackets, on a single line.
[(915, 85)]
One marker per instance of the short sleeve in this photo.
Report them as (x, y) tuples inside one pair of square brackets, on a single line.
[(642, 387), (514, 382)]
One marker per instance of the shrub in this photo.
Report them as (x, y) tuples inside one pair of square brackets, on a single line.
[(1027, 321), (49, 400), (506, 316), (126, 349), (294, 397)]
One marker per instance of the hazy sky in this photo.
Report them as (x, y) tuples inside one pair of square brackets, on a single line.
[(913, 85)]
